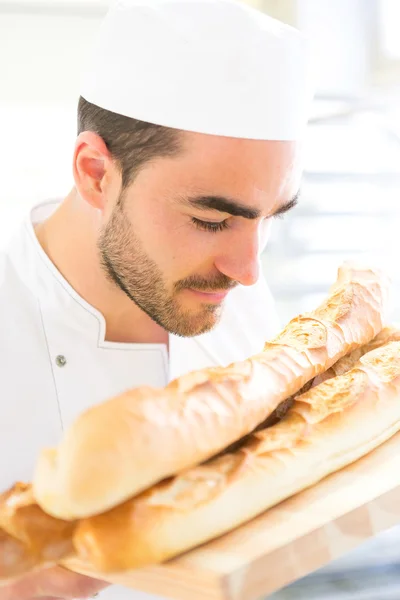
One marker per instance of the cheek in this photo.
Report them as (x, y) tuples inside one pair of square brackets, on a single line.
[(176, 246)]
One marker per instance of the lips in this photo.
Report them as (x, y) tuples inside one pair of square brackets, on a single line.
[(217, 296)]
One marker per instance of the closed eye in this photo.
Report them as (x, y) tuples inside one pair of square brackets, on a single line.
[(215, 227), (210, 226)]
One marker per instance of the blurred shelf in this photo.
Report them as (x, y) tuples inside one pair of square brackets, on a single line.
[(376, 583), (370, 572)]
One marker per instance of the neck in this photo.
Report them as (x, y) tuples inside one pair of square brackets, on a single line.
[(69, 238)]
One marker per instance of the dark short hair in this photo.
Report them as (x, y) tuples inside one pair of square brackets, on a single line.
[(132, 143)]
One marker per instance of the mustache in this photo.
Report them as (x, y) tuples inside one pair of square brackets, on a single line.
[(222, 282)]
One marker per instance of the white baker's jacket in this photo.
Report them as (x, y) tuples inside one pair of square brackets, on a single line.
[(55, 361)]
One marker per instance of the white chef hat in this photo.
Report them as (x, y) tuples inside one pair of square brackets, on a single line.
[(210, 66)]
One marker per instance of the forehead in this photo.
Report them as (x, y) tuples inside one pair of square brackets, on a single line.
[(255, 171), (260, 174)]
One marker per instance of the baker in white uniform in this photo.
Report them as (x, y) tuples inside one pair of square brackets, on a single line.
[(191, 118)]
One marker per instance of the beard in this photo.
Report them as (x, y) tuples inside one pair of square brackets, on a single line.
[(127, 266)]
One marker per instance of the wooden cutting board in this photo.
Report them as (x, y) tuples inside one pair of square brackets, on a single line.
[(290, 540)]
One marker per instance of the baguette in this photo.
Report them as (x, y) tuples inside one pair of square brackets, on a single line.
[(157, 433), (45, 540), (326, 429), (388, 334), (16, 559), (29, 538)]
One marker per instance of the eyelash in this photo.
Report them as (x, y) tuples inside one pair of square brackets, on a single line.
[(216, 227), (210, 227)]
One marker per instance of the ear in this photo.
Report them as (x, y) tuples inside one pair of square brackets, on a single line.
[(94, 170)]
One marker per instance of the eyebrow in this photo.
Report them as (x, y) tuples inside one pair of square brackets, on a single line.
[(236, 209)]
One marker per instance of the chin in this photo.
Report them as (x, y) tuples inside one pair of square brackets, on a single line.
[(191, 326)]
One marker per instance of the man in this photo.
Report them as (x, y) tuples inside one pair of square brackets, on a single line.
[(191, 118)]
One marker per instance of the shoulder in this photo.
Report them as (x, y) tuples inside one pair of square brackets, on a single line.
[(20, 318), (14, 292)]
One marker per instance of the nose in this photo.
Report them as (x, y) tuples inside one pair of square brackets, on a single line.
[(239, 258)]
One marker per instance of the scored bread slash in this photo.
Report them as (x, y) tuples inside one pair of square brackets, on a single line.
[(327, 428), (159, 432), (42, 540)]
